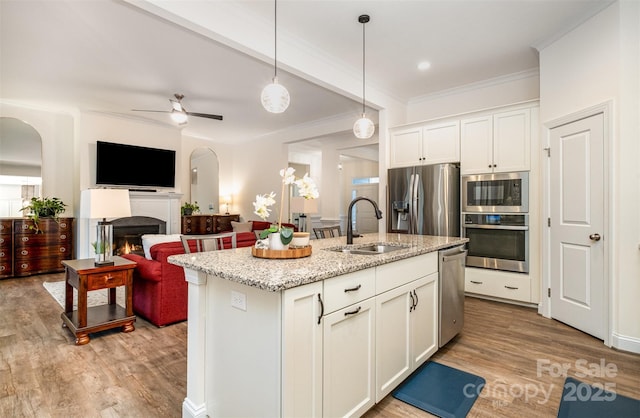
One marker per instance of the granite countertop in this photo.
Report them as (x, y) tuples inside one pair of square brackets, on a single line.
[(274, 275)]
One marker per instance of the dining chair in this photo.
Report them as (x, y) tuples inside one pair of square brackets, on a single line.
[(209, 242), (327, 231)]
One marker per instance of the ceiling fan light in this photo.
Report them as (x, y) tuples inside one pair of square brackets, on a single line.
[(275, 97), (364, 128), (179, 117)]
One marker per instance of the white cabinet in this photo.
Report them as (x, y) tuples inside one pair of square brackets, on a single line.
[(496, 143), (430, 143), (302, 347), (349, 344), (406, 321), (349, 360), (499, 284)]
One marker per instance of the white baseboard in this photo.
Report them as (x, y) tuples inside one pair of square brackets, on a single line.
[(624, 343), (190, 410)]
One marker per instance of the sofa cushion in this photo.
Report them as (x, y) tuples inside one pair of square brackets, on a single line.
[(149, 240), (242, 226)]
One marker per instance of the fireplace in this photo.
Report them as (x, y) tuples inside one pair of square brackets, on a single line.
[(128, 232)]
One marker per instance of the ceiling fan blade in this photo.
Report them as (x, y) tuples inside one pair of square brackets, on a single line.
[(205, 115), (144, 110)]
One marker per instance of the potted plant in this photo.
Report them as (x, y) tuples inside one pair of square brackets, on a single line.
[(279, 236), (43, 207), (189, 208)]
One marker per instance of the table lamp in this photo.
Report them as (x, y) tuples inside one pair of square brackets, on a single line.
[(226, 199), (303, 206), (104, 203)]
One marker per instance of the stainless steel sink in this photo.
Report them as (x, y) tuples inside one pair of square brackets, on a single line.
[(369, 249)]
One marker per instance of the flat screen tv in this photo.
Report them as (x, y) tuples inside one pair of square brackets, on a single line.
[(131, 165)]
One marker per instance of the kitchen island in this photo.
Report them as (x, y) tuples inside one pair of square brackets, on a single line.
[(326, 335)]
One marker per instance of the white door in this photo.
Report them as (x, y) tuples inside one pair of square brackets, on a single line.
[(577, 223)]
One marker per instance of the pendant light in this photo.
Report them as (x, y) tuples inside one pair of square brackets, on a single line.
[(364, 127), (275, 97)]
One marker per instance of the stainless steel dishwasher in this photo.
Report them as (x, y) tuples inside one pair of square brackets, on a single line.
[(451, 264)]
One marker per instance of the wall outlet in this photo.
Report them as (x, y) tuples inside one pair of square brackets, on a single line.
[(239, 300)]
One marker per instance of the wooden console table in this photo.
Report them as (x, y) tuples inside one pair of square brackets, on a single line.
[(84, 276)]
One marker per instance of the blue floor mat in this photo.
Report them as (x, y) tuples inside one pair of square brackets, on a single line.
[(580, 400), (441, 390)]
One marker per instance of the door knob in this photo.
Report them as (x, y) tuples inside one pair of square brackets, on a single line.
[(594, 237)]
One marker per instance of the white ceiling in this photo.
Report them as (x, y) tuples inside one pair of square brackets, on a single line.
[(113, 56)]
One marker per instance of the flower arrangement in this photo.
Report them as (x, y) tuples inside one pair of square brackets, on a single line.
[(306, 188)]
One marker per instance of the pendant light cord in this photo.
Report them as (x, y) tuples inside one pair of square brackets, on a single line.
[(363, 65), (275, 38)]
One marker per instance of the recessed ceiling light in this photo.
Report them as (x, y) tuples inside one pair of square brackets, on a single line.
[(424, 65)]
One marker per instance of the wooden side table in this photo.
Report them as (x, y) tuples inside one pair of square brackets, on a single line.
[(84, 276)]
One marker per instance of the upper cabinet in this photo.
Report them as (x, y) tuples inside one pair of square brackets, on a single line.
[(496, 143), (429, 143)]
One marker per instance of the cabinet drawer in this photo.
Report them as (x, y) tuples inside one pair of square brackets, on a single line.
[(5, 255), (500, 284), (61, 252), (46, 225), (351, 288), (105, 280), (398, 273), (5, 268), (31, 266), (24, 240), (5, 241), (5, 226)]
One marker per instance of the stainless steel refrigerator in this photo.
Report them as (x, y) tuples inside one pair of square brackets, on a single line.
[(424, 200)]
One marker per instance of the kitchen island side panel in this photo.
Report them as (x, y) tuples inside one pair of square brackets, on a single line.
[(243, 363)]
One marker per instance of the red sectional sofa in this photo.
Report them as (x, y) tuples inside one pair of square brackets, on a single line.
[(160, 292)]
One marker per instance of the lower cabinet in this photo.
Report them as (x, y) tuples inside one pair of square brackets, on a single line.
[(349, 360), (349, 341), (302, 347), (499, 284), (406, 330)]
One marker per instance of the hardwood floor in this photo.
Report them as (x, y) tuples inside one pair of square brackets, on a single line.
[(143, 373)]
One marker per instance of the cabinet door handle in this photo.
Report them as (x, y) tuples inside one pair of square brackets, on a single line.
[(416, 296), (511, 287), (474, 282), (353, 312), (413, 302), (321, 309), (353, 289)]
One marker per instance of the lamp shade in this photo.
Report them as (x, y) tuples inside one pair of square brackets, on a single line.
[(105, 203), (275, 97), (363, 128), (301, 205)]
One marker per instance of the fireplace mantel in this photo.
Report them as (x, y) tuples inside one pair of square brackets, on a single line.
[(164, 206)]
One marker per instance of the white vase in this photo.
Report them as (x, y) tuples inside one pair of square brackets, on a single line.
[(275, 243)]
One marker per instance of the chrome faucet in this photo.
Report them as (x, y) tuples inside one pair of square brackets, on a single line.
[(350, 212)]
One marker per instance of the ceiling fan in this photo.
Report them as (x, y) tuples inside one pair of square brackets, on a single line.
[(178, 113)]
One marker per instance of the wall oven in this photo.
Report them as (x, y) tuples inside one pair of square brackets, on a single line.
[(498, 193), (497, 241)]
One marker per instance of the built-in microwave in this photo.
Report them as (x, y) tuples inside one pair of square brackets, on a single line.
[(496, 193)]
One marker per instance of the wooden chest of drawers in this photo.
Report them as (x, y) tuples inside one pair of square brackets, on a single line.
[(6, 252), (23, 252), (207, 224)]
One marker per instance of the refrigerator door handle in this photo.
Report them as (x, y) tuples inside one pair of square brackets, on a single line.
[(414, 203), (411, 205)]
